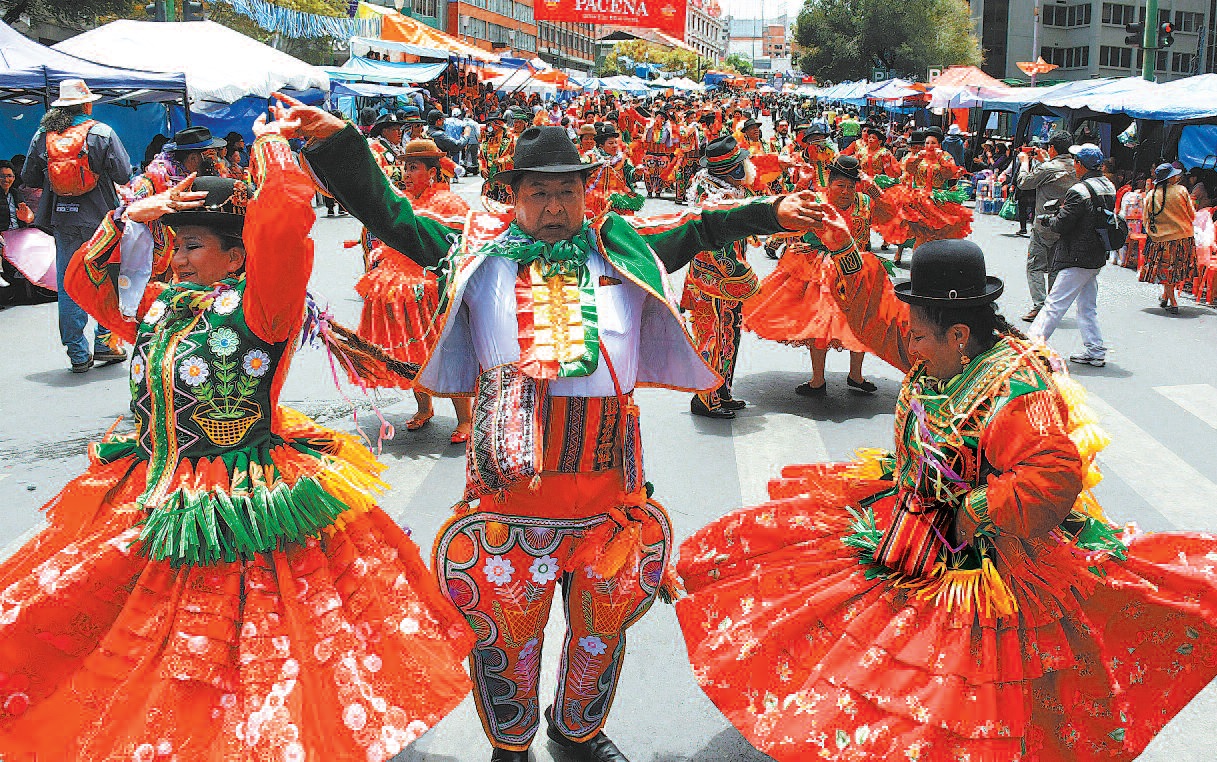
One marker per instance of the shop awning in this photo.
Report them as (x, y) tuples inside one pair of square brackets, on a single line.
[(367, 70)]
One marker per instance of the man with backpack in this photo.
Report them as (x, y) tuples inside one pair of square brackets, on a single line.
[(1088, 229), (78, 162)]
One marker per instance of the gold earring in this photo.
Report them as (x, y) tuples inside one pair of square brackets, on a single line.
[(963, 359)]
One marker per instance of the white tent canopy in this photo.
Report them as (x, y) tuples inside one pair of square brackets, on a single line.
[(221, 65)]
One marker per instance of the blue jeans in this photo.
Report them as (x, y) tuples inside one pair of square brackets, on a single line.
[(72, 319)]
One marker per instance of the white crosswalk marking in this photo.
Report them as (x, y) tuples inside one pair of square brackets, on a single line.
[(760, 454), (1198, 399), (1167, 482), (8, 550)]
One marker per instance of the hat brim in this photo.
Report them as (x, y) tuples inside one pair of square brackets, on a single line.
[(509, 176), (993, 289), (61, 102), (205, 218), (213, 143)]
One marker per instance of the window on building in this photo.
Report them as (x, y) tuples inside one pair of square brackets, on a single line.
[(473, 27), (1067, 58), (426, 8), (1115, 57), (1182, 63), (1160, 64), (1119, 14), (1186, 21), (1066, 15)]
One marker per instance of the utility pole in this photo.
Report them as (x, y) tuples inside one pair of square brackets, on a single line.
[(1035, 37), (1149, 43)]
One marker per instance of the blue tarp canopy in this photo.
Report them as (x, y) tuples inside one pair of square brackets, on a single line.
[(365, 90), (1178, 101), (1197, 145), (366, 70), (361, 45)]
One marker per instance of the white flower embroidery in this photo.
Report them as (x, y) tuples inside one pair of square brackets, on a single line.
[(498, 570), (223, 341), (227, 302), (155, 312), (137, 370), (256, 363), (544, 570), (593, 645), (194, 371)]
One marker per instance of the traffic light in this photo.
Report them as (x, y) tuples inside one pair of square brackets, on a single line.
[(192, 11), (155, 10), (1135, 36), (1166, 35)]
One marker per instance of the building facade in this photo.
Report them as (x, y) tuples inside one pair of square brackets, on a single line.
[(765, 42), (496, 25), (1085, 38), (706, 29)]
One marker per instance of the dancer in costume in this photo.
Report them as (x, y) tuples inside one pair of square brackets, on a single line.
[(814, 159), (192, 151), (924, 207), (550, 321), (587, 143), (873, 157), (400, 298), (219, 583), (689, 150), (659, 142), (720, 280), (962, 597), (611, 185), (796, 305), (494, 156)]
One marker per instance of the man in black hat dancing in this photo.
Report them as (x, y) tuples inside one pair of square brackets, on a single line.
[(549, 321)]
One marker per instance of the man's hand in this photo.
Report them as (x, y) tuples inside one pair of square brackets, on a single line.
[(175, 199), (305, 121), (24, 214), (801, 211)]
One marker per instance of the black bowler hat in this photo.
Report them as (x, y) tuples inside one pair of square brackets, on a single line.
[(846, 166), (917, 138), (383, 123), (224, 207), (816, 130), (194, 139), (749, 124), (949, 273), (545, 149)]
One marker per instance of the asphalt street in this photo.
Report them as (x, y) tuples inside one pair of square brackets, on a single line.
[(1157, 397)]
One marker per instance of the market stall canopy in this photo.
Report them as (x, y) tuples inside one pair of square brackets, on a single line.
[(221, 65), (29, 71), (965, 76), (399, 28), (367, 70), (397, 52), (1178, 101), (366, 90)]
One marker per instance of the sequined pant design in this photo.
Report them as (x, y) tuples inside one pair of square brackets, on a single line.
[(716, 327)]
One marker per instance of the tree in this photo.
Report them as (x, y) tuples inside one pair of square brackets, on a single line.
[(72, 12), (315, 50), (739, 64), (846, 39), (675, 62)]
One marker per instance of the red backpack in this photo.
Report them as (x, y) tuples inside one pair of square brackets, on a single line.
[(67, 161)]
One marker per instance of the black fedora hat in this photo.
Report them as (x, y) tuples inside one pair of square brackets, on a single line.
[(749, 124), (383, 123), (545, 149), (224, 207), (725, 157), (949, 273), (194, 139)]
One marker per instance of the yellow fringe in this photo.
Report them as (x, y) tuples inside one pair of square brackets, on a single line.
[(869, 464), (1090, 439), (981, 589)]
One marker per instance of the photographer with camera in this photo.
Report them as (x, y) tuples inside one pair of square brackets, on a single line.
[(1046, 178)]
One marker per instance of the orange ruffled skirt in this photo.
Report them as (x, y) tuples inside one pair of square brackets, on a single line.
[(809, 659), (342, 648), (400, 301), (905, 213), (796, 305)]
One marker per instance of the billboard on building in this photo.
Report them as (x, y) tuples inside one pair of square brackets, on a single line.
[(665, 15)]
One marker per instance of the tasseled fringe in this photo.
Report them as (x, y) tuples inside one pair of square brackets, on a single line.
[(870, 464), (361, 356), (1090, 439), (670, 587), (980, 589)]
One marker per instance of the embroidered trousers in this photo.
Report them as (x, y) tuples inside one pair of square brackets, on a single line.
[(716, 324), (502, 565)]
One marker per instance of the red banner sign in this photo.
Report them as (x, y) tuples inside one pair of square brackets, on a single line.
[(667, 16)]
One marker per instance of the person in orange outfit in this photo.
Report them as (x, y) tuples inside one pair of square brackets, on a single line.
[(219, 583), (960, 597), (796, 305), (400, 298)]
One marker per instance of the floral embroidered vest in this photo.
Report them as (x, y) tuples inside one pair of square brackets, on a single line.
[(200, 379)]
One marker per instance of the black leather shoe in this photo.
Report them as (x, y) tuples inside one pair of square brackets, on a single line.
[(864, 386), (506, 755), (598, 748), (697, 407), (104, 357), (805, 389), (734, 404), (82, 367)]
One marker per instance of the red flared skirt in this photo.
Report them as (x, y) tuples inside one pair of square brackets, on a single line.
[(796, 304), (400, 300), (810, 659), (341, 648), (906, 213)]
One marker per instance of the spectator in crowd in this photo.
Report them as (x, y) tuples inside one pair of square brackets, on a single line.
[(74, 202), (1047, 182), (1170, 254)]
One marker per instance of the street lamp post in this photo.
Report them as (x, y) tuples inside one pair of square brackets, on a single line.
[(1035, 37), (1149, 42)]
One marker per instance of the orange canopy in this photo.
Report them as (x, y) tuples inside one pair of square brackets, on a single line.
[(399, 28), (1034, 68), (966, 76)]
